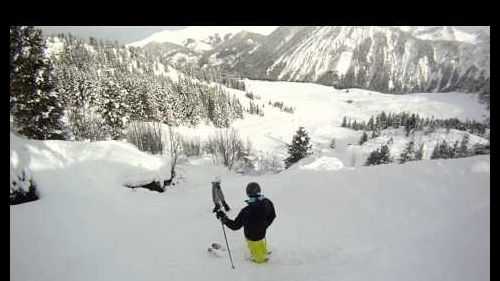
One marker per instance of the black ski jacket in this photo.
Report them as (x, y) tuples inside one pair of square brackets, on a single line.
[(255, 219)]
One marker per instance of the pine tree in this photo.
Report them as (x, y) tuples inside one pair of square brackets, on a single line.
[(344, 120), (419, 153), (370, 124), (363, 139), (436, 152), (455, 150), (445, 150), (34, 104), (408, 153), (385, 155), (442, 150), (113, 109), (379, 156), (373, 158), (299, 148), (376, 133), (463, 150), (332, 143)]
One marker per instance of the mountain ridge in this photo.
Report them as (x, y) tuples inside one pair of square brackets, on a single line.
[(389, 59)]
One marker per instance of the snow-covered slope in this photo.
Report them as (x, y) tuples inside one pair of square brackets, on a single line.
[(320, 109), (426, 220), (336, 219)]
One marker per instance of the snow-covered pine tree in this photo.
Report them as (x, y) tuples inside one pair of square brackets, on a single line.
[(408, 153), (442, 150), (373, 158), (299, 148), (376, 132), (436, 154), (379, 156), (113, 109), (385, 155), (364, 138), (420, 152), (333, 143), (34, 104), (463, 150), (455, 150), (344, 120), (371, 124)]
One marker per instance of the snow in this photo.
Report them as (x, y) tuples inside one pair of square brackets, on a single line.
[(54, 46), (344, 63), (426, 220), (336, 219), (325, 163)]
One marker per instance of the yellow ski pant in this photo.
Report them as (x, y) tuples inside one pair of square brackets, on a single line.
[(258, 250)]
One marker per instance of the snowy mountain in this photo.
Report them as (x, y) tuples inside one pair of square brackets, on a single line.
[(201, 38), (446, 33), (336, 219), (385, 59)]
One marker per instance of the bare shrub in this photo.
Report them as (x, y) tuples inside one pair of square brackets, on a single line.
[(266, 163), (191, 147), (175, 141), (226, 147), (146, 136)]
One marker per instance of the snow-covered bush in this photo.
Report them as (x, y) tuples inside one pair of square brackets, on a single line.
[(146, 136), (22, 188)]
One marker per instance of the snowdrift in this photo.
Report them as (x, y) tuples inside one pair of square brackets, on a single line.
[(424, 220)]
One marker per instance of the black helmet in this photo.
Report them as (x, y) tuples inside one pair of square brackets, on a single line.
[(253, 189)]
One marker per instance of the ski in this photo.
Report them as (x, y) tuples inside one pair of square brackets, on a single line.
[(217, 246), (217, 249)]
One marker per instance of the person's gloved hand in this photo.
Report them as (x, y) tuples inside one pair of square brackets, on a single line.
[(221, 216), (216, 208)]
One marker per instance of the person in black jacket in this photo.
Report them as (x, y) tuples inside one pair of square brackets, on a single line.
[(255, 219)]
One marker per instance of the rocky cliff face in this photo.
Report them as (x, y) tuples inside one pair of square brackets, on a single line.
[(386, 59)]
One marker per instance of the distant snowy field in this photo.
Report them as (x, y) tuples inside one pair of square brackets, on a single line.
[(423, 220)]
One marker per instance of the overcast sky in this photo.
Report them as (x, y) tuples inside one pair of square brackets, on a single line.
[(124, 34), (129, 34)]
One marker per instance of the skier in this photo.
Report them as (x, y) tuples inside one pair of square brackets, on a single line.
[(255, 219), (218, 196)]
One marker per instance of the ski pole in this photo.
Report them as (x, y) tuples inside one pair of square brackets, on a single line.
[(227, 245)]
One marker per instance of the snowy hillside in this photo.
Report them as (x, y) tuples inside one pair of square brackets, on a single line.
[(425, 220), (320, 110), (336, 219)]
